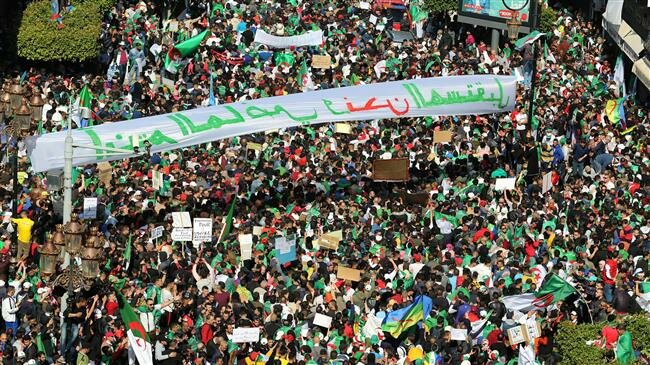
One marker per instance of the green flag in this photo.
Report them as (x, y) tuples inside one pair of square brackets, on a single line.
[(554, 289), (624, 351), (226, 231), (127, 251), (528, 39), (183, 49)]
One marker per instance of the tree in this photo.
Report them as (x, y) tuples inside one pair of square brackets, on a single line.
[(441, 5), (547, 20), (43, 39)]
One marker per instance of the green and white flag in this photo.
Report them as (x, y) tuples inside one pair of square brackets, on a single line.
[(175, 57), (139, 342), (619, 75), (553, 290), (528, 39)]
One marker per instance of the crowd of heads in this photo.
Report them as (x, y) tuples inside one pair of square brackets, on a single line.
[(447, 233)]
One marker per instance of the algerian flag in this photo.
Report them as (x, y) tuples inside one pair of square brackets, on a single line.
[(619, 75), (138, 340), (81, 107), (379, 68), (528, 39), (548, 55), (304, 77), (174, 59), (553, 290)]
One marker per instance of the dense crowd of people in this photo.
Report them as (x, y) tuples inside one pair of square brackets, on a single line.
[(466, 246)]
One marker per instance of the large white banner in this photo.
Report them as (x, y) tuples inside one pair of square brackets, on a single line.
[(454, 95), (307, 39)]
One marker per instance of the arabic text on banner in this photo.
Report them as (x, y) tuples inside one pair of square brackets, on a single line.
[(454, 95)]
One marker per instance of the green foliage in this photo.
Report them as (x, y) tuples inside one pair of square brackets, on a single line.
[(548, 19), (441, 5), (40, 40), (571, 343), (571, 340)]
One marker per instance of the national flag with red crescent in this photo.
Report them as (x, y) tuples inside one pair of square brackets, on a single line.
[(139, 341)]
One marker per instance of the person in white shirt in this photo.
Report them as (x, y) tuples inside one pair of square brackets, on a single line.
[(9, 310)]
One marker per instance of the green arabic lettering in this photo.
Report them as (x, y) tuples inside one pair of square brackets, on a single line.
[(415, 94), (180, 124), (256, 112), (217, 122), (328, 105), (455, 97), (158, 137), (501, 105), (97, 142)]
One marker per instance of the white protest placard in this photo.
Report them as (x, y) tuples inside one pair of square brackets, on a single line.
[(245, 334), (547, 182), (257, 230), (458, 334), (202, 230), (181, 219), (180, 234), (533, 328), (505, 183), (245, 246), (90, 208), (282, 245), (322, 320), (364, 5), (372, 19), (157, 232)]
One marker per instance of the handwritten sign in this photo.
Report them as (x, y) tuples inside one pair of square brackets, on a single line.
[(322, 320), (517, 334), (90, 208), (330, 241), (458, 334), (245, 246), (435, 96), (285, 249), (105, 173), (257, 230), (254, 146), (181, 234), (394, 169), (533, 329), (157, 232), (343, 128), (442, 136), (347, 273), (505, 183), (245, 334), (202, 230), (181, 219), (321, 62)]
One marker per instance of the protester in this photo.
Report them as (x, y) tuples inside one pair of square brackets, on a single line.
[(447, 263)]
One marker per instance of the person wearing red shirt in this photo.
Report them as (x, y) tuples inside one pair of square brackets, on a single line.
[(610, 334), (609, 275)]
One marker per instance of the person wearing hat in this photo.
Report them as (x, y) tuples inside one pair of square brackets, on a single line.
[(122, 60)]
